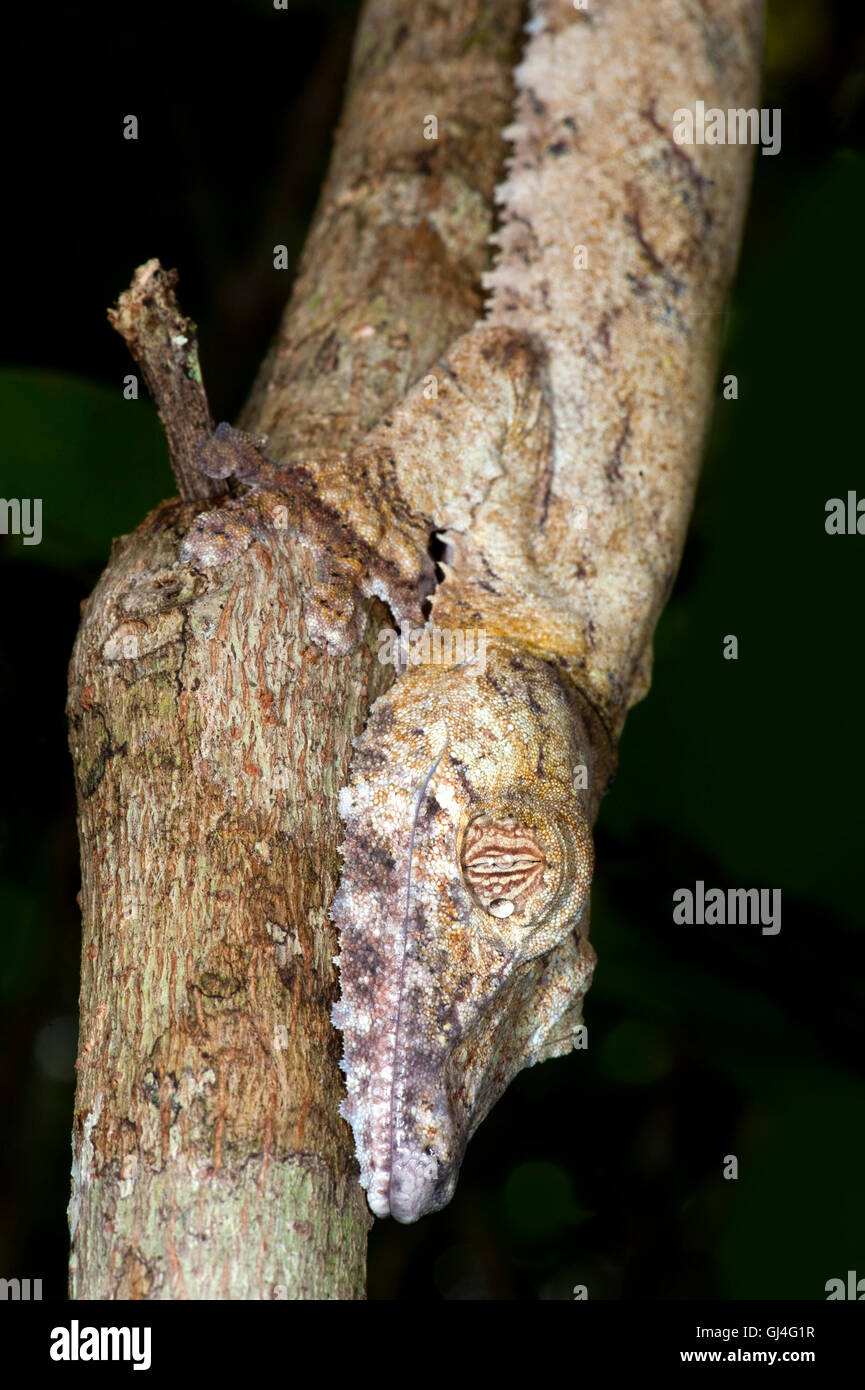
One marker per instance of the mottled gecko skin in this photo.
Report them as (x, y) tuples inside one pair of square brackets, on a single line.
[(557, 462), (443, 999)]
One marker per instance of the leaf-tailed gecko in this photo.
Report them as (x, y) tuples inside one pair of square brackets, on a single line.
[(555, 460)]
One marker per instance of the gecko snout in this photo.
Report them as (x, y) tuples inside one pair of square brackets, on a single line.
[(420, 1184)]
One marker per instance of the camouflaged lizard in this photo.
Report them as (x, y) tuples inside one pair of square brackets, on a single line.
[(553, 454)]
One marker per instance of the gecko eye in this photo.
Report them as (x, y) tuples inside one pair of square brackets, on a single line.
[(503, 864), (528, 863)]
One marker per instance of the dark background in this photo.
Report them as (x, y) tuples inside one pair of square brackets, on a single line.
[(603, 1168)]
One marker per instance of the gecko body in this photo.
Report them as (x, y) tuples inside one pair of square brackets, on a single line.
[(463, 958), (556, 462)]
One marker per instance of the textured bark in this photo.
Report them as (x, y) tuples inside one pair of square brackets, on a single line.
[(165, 346), (210, 738), (557, 465)]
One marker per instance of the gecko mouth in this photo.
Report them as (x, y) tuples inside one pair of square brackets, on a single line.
[(419, 1185), (424, 1164)]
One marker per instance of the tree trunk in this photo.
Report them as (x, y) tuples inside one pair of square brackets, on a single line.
[(210, 737)]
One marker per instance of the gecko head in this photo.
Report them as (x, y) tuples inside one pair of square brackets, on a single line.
[(462, 912)]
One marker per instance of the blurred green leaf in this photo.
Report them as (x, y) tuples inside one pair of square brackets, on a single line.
[(98, 462), (798, 1219), (636, 1052), (539, 1201)]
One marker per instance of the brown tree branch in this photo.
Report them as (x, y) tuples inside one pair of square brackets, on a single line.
[(210, 737), (165, 346)]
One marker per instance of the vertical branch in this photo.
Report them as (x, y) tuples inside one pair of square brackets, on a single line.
[(210, 738), (165, 346)]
